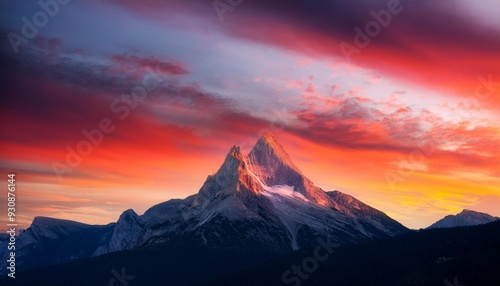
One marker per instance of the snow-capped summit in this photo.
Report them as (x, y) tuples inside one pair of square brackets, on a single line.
[(232, 176), (464, 218), (264, 200), (273, 166), (260, 202), (269, 151)]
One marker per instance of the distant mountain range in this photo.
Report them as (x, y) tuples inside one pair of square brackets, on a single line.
[(256, 207), (260, 202), (438, 257), (465, 218)]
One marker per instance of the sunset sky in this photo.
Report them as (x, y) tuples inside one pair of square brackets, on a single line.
[(409, 123)]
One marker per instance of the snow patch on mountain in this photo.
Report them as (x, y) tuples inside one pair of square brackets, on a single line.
[(274, 192)]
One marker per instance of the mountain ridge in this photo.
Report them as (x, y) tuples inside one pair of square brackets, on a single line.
[(464, 218), (260, 201), (271, 162)]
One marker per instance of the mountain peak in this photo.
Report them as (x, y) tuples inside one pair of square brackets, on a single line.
[(464, 218), (465, 211), (270, 162), (268, 137), (268, 148), (235, 151), (232, 177)]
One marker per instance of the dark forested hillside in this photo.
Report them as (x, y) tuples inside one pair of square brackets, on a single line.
[(464, 256)]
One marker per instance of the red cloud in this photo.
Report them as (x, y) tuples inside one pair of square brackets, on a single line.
[(425, 43), (132, 62)]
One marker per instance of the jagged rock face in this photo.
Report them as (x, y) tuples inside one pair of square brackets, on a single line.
[(464, 218), (270, 162), (233, 176), (128, 233), (363, 216), (265, 200), (349, 205), (257, 202), (231, 192)]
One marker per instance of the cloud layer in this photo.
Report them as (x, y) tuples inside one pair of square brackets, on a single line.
[(177, 101)]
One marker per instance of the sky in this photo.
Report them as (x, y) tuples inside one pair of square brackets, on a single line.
[(112, 105)]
